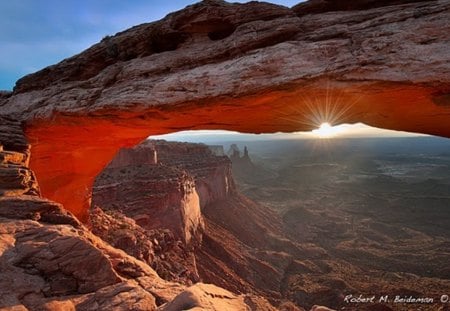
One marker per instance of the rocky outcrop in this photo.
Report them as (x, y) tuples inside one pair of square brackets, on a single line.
[(155, 196), (253, 67), (53, 262), (159, 202), (15, 176), (48, 259), (212, 174), (323, 6), (242, 165), (133, 156), (170, 257), (210, 297)]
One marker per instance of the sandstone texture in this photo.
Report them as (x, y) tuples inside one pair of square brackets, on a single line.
[(254, 67), (210, 297), (15, 176), (167, 193), (212, 174)]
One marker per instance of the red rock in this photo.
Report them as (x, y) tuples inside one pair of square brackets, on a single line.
[(210, 297), (155, 196), (133, 156), (158, 248), (35, 208), (212, 174), (15, 176)]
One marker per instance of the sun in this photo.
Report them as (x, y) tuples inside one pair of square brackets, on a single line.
[(326, 131)]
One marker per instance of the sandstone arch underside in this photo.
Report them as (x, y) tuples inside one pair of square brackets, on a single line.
[(253, 67)]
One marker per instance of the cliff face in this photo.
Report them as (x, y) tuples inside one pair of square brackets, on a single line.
[(15, 176), (155, 196), (212, 174), (50, 261), (47, 256), (164, 185), (253, 67)]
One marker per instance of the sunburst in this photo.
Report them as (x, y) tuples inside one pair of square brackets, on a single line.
[(322, 114)]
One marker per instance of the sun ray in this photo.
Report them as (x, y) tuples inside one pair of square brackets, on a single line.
[(325, 111)]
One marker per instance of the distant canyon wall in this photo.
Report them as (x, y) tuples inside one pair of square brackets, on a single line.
[(164, 185)]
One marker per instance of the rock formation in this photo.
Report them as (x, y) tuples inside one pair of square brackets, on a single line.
[(244, 170), (167, 193), (212, 174), (252, 67), (217, 150), (15, 176)]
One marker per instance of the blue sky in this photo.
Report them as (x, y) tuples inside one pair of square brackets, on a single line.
[(37, 33)]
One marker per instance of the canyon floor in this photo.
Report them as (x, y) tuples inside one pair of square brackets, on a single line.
[(379, 208)]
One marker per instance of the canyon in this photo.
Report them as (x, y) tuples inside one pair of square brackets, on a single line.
[(254, 67)]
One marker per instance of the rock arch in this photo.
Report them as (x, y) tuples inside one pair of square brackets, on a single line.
[(270, 69)]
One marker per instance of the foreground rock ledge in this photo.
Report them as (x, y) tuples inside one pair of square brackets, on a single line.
[(253, 67)]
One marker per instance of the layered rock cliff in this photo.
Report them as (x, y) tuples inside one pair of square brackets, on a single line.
[(253, 67), (15, 176), (167, 194), (212, 174)]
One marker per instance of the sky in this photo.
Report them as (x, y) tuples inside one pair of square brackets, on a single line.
[(37, 33)]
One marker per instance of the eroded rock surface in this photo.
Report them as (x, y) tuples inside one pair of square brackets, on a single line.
[(210, 297), (15, 176), (166, 194)]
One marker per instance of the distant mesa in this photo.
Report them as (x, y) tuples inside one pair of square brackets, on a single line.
[(246, 169), (233, 151), (239, 161), (217, 150)]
